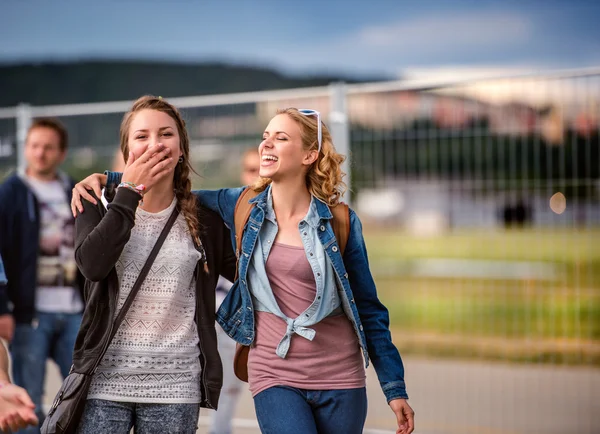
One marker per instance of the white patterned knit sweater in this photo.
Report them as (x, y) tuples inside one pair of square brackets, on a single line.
[(153, 358)]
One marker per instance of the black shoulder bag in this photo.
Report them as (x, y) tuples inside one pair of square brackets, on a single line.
[(67, 408)]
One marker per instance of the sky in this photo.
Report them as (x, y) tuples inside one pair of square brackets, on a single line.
[(391, 37)]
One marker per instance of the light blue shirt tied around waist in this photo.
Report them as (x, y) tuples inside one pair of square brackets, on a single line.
[(326, 300)]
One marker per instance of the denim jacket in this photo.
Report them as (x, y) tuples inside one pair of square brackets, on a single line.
[(358, 295)]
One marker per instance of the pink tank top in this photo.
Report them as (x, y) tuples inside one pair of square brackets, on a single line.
[(332, 360)]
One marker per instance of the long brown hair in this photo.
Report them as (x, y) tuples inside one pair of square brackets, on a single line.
[(186, 200), (324, 176)]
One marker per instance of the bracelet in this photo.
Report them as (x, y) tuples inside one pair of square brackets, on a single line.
[(138, 188)]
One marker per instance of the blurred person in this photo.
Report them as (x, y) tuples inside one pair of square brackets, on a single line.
[(118, 164), (250, 167), (309, 341), (516, 213), (17, 410), (42, 300), (163, 364), (221, 420)]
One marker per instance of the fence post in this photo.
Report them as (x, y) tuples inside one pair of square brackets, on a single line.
[(23, 121), (339, 128)]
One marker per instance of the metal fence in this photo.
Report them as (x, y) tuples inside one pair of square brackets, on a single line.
[(475, 153), (480, 199)]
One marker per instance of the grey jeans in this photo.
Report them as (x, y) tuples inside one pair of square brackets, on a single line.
[(100, 416)]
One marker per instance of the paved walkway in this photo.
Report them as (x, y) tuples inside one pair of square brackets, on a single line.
[(452, 397)]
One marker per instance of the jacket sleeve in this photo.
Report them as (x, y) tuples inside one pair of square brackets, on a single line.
[(373, 315), (113, 179), (99, 240), (229, 263), (222, 202)]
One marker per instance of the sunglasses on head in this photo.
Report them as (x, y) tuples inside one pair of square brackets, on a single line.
[(310, 112)]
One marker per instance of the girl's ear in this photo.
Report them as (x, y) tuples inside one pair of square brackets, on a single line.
[(310, 157)]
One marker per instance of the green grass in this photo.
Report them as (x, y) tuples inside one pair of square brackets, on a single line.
[(506, 309), (556, 245), (490, 318)]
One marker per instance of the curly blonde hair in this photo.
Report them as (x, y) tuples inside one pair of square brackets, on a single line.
[(186, 201), (324, 176)]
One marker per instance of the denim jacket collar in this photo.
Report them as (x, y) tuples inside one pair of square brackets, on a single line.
[(317, 211)]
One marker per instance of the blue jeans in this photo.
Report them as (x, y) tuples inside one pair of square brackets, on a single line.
[(101, 416), (52, 337), (283, 409)]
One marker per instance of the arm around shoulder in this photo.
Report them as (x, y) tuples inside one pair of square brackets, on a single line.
[(221, 201), (101, 235), (229, 261)]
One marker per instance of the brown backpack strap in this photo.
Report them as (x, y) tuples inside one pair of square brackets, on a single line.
[(341, 224)]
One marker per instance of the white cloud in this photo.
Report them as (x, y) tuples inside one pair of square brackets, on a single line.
[(459, 38), (488, 42), (465, 30), (452, 73)]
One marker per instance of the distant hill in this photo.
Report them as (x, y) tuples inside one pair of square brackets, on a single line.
[(108, 80)]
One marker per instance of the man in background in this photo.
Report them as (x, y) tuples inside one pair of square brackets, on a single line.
[(41, 302)]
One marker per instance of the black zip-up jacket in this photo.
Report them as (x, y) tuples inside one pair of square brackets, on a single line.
[(101, 235), (20, 245)]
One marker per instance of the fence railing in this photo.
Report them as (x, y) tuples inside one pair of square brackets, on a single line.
[(500, 139)]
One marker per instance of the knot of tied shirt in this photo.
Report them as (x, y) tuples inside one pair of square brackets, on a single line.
[(284, 344)]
